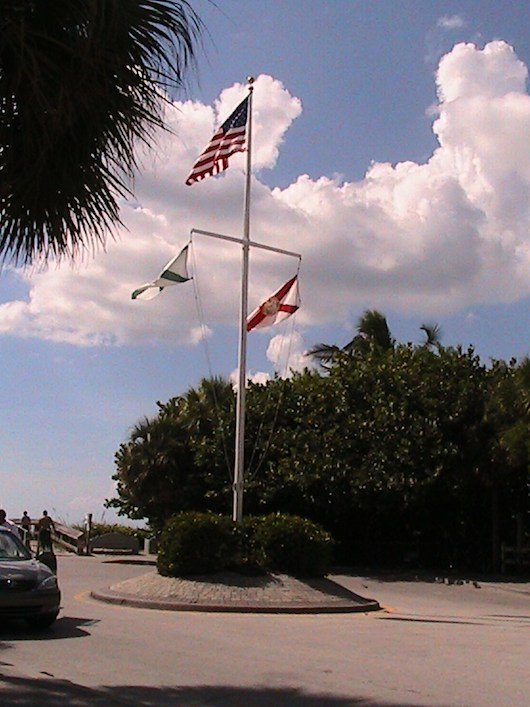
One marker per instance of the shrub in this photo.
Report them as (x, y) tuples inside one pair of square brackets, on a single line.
[(291, 544), (102, 528), (199, 543), (196, 543), (250, 556)]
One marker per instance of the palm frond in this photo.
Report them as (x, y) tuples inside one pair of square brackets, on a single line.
[(81, 84), (433, 334), (325, 353)]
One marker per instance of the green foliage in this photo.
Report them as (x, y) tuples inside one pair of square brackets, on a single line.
[(250, 551), (178, 461), (103, 528), (197, 543), (416, 450), (508, 415), (294, 545), (200, 543), (413, 426)]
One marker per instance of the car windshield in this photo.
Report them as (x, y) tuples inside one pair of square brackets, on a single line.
[(11, 548)]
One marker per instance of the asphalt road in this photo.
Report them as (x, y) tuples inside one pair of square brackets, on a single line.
[(432, 645)]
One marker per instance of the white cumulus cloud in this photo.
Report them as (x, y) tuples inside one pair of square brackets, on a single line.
[(427, 238), (287, 353)]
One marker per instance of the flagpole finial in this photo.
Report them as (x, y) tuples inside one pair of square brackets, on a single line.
[(250, 81)]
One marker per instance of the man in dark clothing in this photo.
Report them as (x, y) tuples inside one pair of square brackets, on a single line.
[(44, 528), (25, 523)]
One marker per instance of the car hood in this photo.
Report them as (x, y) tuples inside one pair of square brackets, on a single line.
[(24, 569)]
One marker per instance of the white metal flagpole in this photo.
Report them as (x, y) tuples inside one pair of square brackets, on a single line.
[(237, 514)]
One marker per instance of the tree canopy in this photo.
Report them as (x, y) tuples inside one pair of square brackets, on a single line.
[(398, 450)]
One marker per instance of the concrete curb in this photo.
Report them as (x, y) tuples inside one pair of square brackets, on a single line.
[(110, 597)]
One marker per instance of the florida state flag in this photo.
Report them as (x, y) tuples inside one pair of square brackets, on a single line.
[(278, 307)]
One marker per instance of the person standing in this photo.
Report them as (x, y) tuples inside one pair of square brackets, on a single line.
[(25, 523), (44, 529), (7, 524)]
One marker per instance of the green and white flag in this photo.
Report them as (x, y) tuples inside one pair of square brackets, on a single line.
[(175, 271)]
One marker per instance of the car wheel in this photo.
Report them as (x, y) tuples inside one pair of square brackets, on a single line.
[(43, 621)]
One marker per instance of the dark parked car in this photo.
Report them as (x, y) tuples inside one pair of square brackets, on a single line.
[(28, 588)]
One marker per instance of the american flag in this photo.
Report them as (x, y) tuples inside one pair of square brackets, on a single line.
[(228, 139)]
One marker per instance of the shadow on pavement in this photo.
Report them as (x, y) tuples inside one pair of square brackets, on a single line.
[(518, 617), (333, 589), (64, 627), (129, 561), (429, 576), (46, 692), (456, 622)]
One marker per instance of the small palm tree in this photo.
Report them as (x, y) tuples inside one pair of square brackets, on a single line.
[(373, 330), (82, 83), (373, 333)]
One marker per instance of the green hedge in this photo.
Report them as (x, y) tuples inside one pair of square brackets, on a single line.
[(196, 543), (199, 543), (294, 545)]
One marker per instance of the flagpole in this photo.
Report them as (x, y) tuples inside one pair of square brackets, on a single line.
[(233, 136), (237, 514)]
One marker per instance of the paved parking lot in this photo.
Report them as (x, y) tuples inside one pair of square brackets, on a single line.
[(433, 644)]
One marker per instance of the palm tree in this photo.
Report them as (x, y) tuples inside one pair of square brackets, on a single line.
[(372, 333), (82, 82), (373, 330)]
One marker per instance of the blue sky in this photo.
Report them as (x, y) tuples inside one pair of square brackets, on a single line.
[(415, 202)]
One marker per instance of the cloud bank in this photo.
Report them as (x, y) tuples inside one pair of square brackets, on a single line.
[(427, 239)]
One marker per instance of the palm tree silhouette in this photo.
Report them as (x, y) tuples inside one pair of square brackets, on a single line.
[(372, 333), (82, 83)]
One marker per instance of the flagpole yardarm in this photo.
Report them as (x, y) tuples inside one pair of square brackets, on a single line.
[(252, 244)]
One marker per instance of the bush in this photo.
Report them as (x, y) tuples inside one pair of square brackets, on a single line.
[(291, 544), (250, 555), (197, 543), (140, 533)]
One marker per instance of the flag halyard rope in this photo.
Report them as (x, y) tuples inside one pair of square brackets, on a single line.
[(250, 472), (204, 337)]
